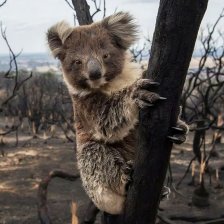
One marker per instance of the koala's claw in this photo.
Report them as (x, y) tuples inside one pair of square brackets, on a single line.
[(179, 130), (142, 104), (177, 139), (178, 134), (152, 83), (142, 94), (146, 83), (162, 98)]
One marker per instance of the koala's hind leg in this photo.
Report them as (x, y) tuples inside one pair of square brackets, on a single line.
[(105, 174)]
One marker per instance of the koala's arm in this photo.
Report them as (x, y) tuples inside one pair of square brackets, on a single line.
[(112, 117)]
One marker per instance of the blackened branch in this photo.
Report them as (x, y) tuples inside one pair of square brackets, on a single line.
[(42, 193)]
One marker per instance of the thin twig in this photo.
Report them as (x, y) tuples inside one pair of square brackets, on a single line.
[(97, 7), (104, 8), (3, 3), (69, 4), (186, 172)]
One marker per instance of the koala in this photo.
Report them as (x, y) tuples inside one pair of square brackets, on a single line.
[(107, 92)]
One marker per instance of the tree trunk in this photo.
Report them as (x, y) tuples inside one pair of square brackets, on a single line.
[(175, 34), (82, 12)]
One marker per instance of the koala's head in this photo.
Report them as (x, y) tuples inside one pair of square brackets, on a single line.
[(92, 55)]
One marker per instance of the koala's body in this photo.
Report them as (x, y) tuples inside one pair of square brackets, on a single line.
[(107, 92)]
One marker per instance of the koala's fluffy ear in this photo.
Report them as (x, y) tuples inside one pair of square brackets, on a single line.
[(122, 28), (56, 37)]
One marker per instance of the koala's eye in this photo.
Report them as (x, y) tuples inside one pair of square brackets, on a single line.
[(78, 62), (105, 56)]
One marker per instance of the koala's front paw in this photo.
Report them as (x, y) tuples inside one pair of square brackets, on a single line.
[(179, 133), (142, 95)]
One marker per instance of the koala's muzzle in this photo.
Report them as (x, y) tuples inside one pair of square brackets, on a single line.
[(94, 69)]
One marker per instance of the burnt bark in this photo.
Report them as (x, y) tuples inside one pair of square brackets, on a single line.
[(89, 216), (173, 43), (82, 12)]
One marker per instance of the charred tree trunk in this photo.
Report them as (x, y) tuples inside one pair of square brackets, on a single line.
[(175, 34), (82, 12)]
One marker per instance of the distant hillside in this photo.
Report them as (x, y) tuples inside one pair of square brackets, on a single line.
[(44, 62), (38, 62)]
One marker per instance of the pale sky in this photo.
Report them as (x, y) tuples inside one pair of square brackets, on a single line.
[(28, 20)]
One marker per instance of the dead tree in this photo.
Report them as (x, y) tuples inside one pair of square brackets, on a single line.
[(173, 43), (203, 93), (12, 75)]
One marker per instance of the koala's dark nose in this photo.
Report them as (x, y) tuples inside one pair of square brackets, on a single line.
[(94, 75), (94, 69)]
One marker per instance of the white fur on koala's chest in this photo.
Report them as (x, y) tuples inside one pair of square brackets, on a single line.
[(131, 72)]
